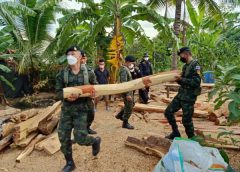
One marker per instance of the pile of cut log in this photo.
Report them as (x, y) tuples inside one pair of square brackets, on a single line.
[(210, 124), (30, 129)]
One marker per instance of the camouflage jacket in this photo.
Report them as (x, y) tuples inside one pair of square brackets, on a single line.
[(125, 76), (191, 81), (73, 80)]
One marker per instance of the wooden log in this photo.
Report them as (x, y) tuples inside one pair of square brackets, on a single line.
[(25, 142), (213, 116), (29, 148), (23, 129), (48, 124), (7, 128), (152, 145), (99, 90), (9, 111), (161, 109), (5, 142), (221, 121), (23, 116), (28, 114), (50, 145)]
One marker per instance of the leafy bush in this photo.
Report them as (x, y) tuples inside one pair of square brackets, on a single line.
[(227, 88)]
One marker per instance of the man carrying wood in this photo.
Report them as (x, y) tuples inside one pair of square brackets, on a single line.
[(125, 76), (189, 82), (74, 109)]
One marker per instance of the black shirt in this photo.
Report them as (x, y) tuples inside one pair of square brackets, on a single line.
[(102, 76)]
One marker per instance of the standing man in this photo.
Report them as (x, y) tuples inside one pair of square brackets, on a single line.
[(190, 88), (103, 77), (125, 76), (90, 101), (145, 67), (136, 73), (74, 109)]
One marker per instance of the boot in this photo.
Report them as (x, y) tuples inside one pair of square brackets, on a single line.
[(119, 115), (190, 132), (175, 133), (90, 131), (127, 125), (96, 146), (70, 166)]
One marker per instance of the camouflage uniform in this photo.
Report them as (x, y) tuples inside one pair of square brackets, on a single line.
[(186, 97), (90, 103), (74, 114), (125, 76)]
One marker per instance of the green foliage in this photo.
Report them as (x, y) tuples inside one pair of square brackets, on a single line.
[(227, 88), (4, 68)]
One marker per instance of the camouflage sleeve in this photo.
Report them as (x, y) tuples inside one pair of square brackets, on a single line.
[(59, 85), (123, 76), (92, 78), (195, 81)]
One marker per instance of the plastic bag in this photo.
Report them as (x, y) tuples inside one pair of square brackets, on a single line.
[(189, 156)]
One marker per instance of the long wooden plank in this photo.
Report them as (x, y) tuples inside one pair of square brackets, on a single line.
[(202, 85), (161, 109), (25, 128), (98, 90), (29, 148)]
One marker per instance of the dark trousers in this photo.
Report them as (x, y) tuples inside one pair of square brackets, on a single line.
[(188, 110)]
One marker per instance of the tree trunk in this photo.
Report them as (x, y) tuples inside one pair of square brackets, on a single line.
[(176, 31), (184, 24), (166, 9)]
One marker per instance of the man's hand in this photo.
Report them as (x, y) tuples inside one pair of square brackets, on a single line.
[(73, 97), (178, 78), (129, 98), (93, 94)]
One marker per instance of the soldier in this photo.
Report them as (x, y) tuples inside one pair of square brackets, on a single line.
[(74, 109), (145, 67), (136, 73), (189, 82), (90, 101), (125, 76)]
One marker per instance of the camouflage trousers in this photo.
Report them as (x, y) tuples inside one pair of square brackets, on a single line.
[(90, 113), (188, 110), (126, 112), (73, 117)]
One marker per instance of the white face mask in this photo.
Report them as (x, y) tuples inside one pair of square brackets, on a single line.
[(131, 66), (146, 58), (131, 70), (71, 60)]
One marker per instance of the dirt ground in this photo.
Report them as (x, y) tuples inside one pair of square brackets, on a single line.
[(114, 155)]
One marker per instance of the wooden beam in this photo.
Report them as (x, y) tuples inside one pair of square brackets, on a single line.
[(48, 124), (50, 145), (98, 90), (151, 145), (5, 142), (6, 129), (29, 148), (25, 142), (23, 129)]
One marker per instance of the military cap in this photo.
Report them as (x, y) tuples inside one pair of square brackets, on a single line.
[(130, 58), (74, 48), (183, 49), (145, 55)]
